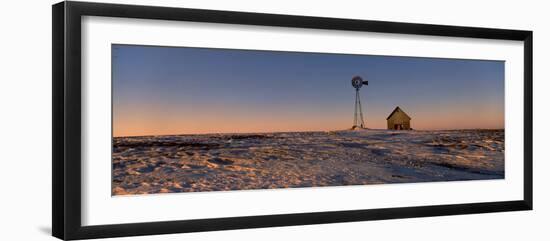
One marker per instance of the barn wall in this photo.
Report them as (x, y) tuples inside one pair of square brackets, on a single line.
[(399, 118)]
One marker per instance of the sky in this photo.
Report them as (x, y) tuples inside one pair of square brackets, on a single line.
[(180, 90)]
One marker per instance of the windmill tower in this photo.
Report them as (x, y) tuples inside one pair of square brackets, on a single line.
[(358, 121)]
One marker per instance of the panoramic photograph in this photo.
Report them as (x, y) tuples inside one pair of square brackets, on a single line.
[(188, 119)]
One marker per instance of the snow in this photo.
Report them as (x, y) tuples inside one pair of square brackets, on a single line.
[(221, 162)]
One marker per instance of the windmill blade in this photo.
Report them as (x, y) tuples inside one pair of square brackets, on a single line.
[(357, 82)]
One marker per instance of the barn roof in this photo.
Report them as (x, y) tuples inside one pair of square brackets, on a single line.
[(396, 110)]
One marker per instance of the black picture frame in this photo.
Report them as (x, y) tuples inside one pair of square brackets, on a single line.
[(66, 47)]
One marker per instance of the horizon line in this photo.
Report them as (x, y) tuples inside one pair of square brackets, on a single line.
[(266, 132)]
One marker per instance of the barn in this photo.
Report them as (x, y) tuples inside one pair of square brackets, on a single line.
[(399, 120)]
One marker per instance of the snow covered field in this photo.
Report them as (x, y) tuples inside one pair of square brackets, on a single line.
[(216, 162)]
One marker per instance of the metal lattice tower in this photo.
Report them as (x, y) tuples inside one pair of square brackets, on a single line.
[(358, 120)]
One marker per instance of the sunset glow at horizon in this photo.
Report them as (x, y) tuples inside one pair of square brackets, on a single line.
[(179, 90)]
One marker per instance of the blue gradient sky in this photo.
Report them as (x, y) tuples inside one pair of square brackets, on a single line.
[(168, 90)]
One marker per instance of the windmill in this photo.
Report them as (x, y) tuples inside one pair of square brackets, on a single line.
[(358, 121)]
